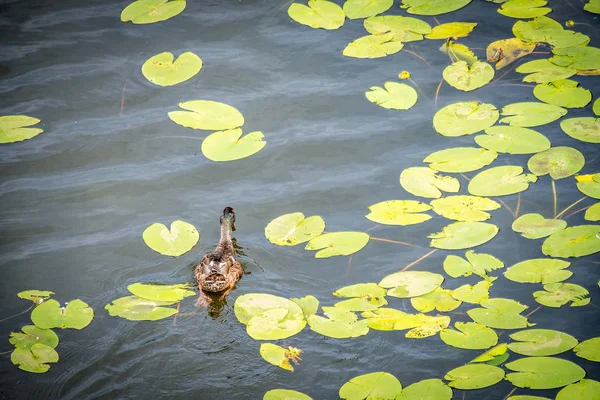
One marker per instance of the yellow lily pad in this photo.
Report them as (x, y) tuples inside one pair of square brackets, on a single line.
[(470, 336), (150, 11), (280, 356), (318, 14), (284, 394), (433, 7), (460, 159), (373, 46), (500, 181), (13, 128), (425, 182), (338, 244), (163, 70), (478, 264), (309, 304), (505, 51), (275, 324), (135, 308), (363, 297), (440, 299), (341, 324), (207, 115), (405, 29), (292, 229), (464, 208), (560, 162), (586, 129), (458, 51), (250, 305), (395, 96), (463, 235), (513, 140), (227, 145), (174, 242), (355, 9), (420, 325), (406, 284), (451, 30), (466, 78), (535, 226), (399, 212), (168, 293), (464, 118), (474, 294), (491, 354)]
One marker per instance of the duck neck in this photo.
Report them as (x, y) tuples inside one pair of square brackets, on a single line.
[(226, 231)]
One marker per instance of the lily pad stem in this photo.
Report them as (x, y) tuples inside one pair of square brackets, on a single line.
[(123, 99), (578, 211), (518, 205), (392, 241), (22, 312), (418, 56), (511, 392), (554, 196), (528, 315), (568, 208), (508, 208), (437, 92), (418, 260)]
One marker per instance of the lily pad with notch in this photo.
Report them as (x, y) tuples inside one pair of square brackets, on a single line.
[(178, 240), (337, 244), (586, 129), (563, 93), (355, 9), (163, 70), (15, 128), (280, 356), (376, 385), (513, 140), (535, 226), (460, 159), (425, 182), (470, 336), (76, 314), (541, 342), (500, 314), (399, 212), (395, 96), (543, 372), (294, 228), (150, 11), (465, 77), (318, 14), (35, 359), (168, 293), (500, 181), (463, 235), (207, 115), (474, 376), (464, 118), (373, 46), (135, 308), (539, 270), (575, 241), (229, 145), (464, 208), (478, 264), (405, 284), (557, 295)]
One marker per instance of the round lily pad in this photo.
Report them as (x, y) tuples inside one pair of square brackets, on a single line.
[(464, 208), (589, 185), (467, 77), (373, 46), (433, 7), (439, 299), (563, 93), (170, 293), (513, 140), (593, 213), (560, 162), (341, 324), (174, 242), (543, 372), (576, 241), (227, 145), (405, 29), (589, 349), (207, 115), (428, 389), (249, 305), (524, 8), (460, 159), (355, 9), (361, 290), (469, 335), (544, 71), (376, 385), (280, 356), (500, 181), (535, 226), (474, 376), (76, 314), (13, 128), (292, 229), (541, 342), (586, 388), (425, 182), (500, 314), (37, 296), (399, 212), (464, 118), (32, 335), (338, 244), (577, 57), (163, 70), (586, 129), (539, 270), (395, 96), (463, 235), (150, 11), (451, 30), (361, 303), (478, 264), (284, 394), (135, 308), (36, 359), (558, 294), (406, 284), (275, 324), (318, 14)]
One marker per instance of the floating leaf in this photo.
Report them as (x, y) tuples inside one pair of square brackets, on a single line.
[(207, 115), (563, 93), (50, 314), (250, 305), (428, 389), (458, 52), (558, 294), (473, 293), (373, 46), (440, 299), (535, 226), (460, 159), (32, 335), (543, 71), (35, 359), (586, 388), (593, 213), (283, 394), (474, 376), (527, 397), (135, 308), (530, 114), (500, 314), (541, 342), (472, 336), (37, 296), (170, 293), (318, 14), (464, 118), (395, 96), (174, 242), (420, 325), (500, 181), (505, 51), (367, 297), (589, 349), (478, 264), (466, 78), (491, 354), (464, 208), (539, 270), (405, 29), (425, 182), (355, 9), (463, 235), (406, 284), (399, 212), (589, 185), (338, 244), (524, 8), (292, 229), (544, 29), (150, 11), (433, 7), (586, 129), (596, 107), (227, 145), (362, 304), (513, 140), (543, 372), (163, 70), (577, 57), (341, 324), (13, 128), (308, 304), (376, 385), (275, 324), (280, 356), (451, 30), (575, 241)]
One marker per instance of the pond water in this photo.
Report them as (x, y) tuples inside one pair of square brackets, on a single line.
[(76, 199)]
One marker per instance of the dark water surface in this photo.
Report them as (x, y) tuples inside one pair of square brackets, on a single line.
[(76, 199)]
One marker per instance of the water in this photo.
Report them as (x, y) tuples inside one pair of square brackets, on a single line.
[(76, 199)]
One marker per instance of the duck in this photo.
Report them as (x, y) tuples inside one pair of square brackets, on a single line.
[(219, 271)]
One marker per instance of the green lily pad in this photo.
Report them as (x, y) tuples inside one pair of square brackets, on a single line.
[(464, 118), (440, 299), (592, 6), (558, 294), (405, 29), (596, 107), (563, 93), (541, 342), (478, 264), (361, 303), (283, 394), (543, 372), (593, 213), (524, 8), (406, 284), (451, 30), (420, 325), (472, 336), (500, 181), (399, 212), (577, 57), (250, 305), (292, 229), (458, 52), (163, 70), (491, 354), (366, 297), (135, 308), (589, 185), (338, 244), (275, 324), (529, 114), (585, 388), (433, 7), (376, 385), (474, 376), (425, 182), (527, 397), (170, 293), (373, 46), (544, 29), (280, 356), (395, 96), (37, 296), (463, 235), (500, 314), (586, 129), (589, 349), (32, 335), (150, 11), (50, 314), (465, 77), (36, 359), (535, 226), (341, 324), (308, 304), (355, 9), (560, 162), (539, 270), (227, 145), (464, 208), (428, 389), (576, 241), (460, 159), (13, 128), (318, 14), (174, 242), (207, 115), (543, 71), (474, 294), (513, 140), (361, 290)]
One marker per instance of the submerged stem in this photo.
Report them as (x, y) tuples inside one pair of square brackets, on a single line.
[(437, 92), (418, 56), (518, 205), (568, 208), (554, 196), (419, 260), (578, 211), (392, 241), (508, 208), (22, 312)]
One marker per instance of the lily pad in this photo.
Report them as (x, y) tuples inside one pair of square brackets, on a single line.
[(539, 270), (558, 294), (593, 213), (318, 14), (585, 388), (563, 93), (207, 115), (464, 118), (544, 29), (428, 389), (589, 185), (505, 51), (13, 128), (465, 77), (36, 359), (407, 284), (405, 29), (338, 244), (478, 264), (283, 394), (399, 212), (376, 385), (170, 293), (150, 11), (292, 229), (361, 303), (451, 30), (280, 356), (491, 354), (474, 376), (543, 372), (364, 297), (541, 342), (560, 162), (529, 114), (355, 9), (77, 315), (32, 335), (586, 129), (174, 242), (524, 8), (472, 336), (464, 208), (163, 70), (440, 299), (592, 6), (473, 293), (135, 308), (250, 305), (341, 324), (37, 296), (308, 304), (576, 241), (425, 182), (463, 235), (361, 290), (577, 57), (589, 349), (596, 107), (500, 181), (458, 52), (543, 71), (535, 226), (513, 140), (460, 159), (373, 46), (275, 324), (433, 7), (500, 314), (420, 325), (227, 145), (395, 96)]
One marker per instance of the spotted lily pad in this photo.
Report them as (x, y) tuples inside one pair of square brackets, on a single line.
[(250, 305), (500, 314), (275, 324), (463, 235), (539, 270), (150, 11), (505, 51), (589, 185), (405, 29), (338, 244), (427, 389), (451, 30), (373, 46), (163, 70), (543, 372), (318, 14), (500, 181), (576, 241), (341, 324), (35, 359), (558, 294), (474, 376), (467, 77), (544, 71), (464, 208), (420, 325), (77, 315), (460, 159), (535, 226), (207, 115), (524, 8), (169, 293), (469, 335), (585, 388), (135, 308), (308, 304), (355, 9), (174, 242), (560, 162), (376, 385), (280, 356), (541, 342), (32, 335), (37, 296), (563, 93), (433, 7), (513, 140), (425, 182), (227, 145), (284, 394), (406, 284), (440, 299), (473, 293), (586, 129), (395, 96), (399, 212), (478, 264), (589, 349), (464, 118), (292, 229), (13, 128)]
